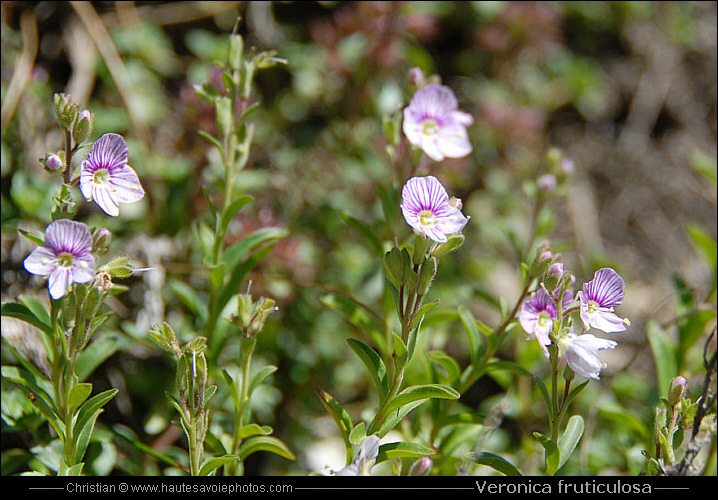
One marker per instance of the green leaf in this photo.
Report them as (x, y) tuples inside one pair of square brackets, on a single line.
[(358, 433), (545, 395), (569, 439), (265, 443), (421, 392), (251, 241), (254, 430), (78, 395), (663, 355), (341, 418), (391, 451), (462, 418), (96, 353), (189, 298), (21, 312), (552, 456), (231, 211), (37, 239), (400, 352), (369, 234), (86, 419), (395, 417), (497, 463), (507, 366), (374, 365), (473, 333), (212, 464), (260, 376), (453, 371)]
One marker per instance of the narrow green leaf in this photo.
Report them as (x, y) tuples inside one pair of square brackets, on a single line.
[(391, 451), (341, 418), (394, 417), (374, 365), (453, 371), (265, 443), (358, 433), (545, 395), (369, 234), (231, 211), (89, 412), (189, 298), (551, 453), (96, 353), (663, 355), (507, 366), (569, 439), (420, 392), (497, 463), (251, 241), (473, 333), (21, 312), (212, 464), (462, 418), (260, 376), (213, 140)]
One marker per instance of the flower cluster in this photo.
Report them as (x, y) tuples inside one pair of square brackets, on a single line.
[(546, 316)]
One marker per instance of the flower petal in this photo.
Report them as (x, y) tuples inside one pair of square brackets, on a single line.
[(41, 261)]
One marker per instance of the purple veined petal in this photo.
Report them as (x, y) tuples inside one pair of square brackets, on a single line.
[(537, 316), (464, 119), (41, 261), (106, 201), (607, 288), (83, 269), (125, 185), (59, 282), (454, 142), (109, 151)]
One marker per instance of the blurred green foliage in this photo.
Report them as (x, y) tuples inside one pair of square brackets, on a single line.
[(531, 73)]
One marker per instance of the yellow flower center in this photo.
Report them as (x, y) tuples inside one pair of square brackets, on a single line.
[(429, 127), (65, 259), (544, 320), (101, 176), (427, 218)]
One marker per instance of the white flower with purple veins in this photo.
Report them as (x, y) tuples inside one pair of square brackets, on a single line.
[(537, 316), (599, 298), (427, 209), (107, 178), (433, 122), (581, 353), (65, 257)]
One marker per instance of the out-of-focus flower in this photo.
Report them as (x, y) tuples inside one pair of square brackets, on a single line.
[(537, 316), (365, 459), (581, 353), (433, 122), (427, 208), (106, 177), (599, 298), (65, 256)]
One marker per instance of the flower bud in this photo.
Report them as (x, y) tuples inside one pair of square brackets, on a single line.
[(53, 163), (234, 52), (417, 77), (554, 276), (101, 240), (421, 467), (83, 127), (546, 183), (678, 387), (65, 110)]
